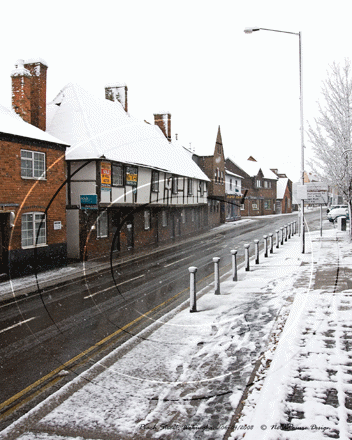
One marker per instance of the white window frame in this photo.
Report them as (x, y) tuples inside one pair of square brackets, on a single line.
[(258, 183), (147, 219), (35, 173), (38, 221), (118, 179), (183, 215), (267, 205), (164, 218), (174, 185), (190, 187), (102, 225), (155, 181)]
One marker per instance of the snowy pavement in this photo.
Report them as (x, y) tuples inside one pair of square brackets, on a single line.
[(186, 379), (307, 391)]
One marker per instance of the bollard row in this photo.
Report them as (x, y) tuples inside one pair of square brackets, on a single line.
[(286, 232)]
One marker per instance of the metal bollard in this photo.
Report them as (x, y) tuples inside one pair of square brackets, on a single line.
[(234, 265), (192, 289), (277, 238), (256, 251), (246, 256), (271, 243), (282, 235), (285, 228), (289, 230), (265, 246), (216, 275)]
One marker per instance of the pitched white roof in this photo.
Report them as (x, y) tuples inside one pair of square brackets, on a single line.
[(230, 173), (12, 123), (98, 127), (281, 187), (252, 168)]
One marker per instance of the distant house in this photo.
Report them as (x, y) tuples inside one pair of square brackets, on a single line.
[(32, 179), (214, 167), (233, 195), (128, 186), (259, 183), (284, 196)]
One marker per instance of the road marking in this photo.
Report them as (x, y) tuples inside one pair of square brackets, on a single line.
[(18, 324), (83, 353), (112, 287), (178, 261)]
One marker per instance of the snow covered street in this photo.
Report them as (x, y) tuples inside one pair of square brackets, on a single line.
[(186, 379)]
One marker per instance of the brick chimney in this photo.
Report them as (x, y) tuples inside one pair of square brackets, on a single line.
[(117, 92), (163, 121), (29, 91), (21, 91)]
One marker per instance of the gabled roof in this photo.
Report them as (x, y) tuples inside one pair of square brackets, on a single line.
[(252, 168), (97, 128), (230, 173), (281, 187), (11, 123)]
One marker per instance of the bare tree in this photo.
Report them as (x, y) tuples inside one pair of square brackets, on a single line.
[(331, 135)]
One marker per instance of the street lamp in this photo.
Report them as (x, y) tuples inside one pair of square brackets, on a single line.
[(250, 30)]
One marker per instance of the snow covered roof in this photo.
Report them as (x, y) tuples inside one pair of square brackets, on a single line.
[(98, 127), (230, 173), (281, 187), (252, 169), (12, 123)]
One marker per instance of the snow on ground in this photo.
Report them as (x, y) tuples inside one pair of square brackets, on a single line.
[(14, 286), (185, 379), (308, 386)]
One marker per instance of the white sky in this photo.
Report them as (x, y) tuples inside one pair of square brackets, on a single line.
[(193, 59)]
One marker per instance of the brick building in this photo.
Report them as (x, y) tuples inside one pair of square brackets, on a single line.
[(233, 195), (128, 186), (32, 206), (260, 184), (214, 167)]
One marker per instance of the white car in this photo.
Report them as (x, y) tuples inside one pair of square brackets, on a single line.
[(342, 210)]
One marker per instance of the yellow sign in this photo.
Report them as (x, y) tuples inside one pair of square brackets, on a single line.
[(105, 168), (131, 176)]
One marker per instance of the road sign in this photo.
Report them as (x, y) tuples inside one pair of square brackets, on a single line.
[(317, 193)]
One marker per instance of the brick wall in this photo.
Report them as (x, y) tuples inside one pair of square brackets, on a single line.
[(22, 196)]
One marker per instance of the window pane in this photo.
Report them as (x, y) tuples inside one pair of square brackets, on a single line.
[(27, 230), (117, 175), (40, 229), (103, 224), (146, 219), (26, 164), (39, 166), (155, 181), (26, 168)]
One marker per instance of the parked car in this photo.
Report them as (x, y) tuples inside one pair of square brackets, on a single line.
[(342, 210), (332, 207)]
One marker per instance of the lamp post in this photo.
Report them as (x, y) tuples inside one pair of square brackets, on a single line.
[(250, 30)]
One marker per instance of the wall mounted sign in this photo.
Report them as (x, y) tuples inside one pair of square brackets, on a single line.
[(57, 226), (131, 176), (89, 201), (105, 168)]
